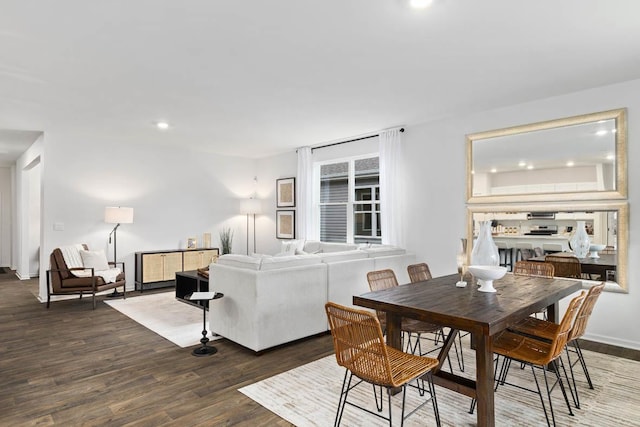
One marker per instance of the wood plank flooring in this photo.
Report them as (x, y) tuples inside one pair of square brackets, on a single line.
[(71, 366)]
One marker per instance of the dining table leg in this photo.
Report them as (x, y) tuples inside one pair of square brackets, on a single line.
[(484, 380)]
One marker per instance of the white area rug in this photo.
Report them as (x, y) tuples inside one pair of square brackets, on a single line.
[(308, 396), (176, 321)]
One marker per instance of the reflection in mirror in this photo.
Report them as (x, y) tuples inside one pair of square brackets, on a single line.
[(554, 160), (532, 232)]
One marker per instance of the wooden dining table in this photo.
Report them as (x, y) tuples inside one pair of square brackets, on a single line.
[(484, 315)]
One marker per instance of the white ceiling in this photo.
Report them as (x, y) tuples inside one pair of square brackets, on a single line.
[(255, 77)]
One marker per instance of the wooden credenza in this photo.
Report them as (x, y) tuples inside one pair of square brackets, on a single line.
[(155, 269)]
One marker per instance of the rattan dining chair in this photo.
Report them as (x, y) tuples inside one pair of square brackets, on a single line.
[(360, 348), (420, 273), (534, 269), (565, 266), (414, 329), (537, 353), (546, 330)]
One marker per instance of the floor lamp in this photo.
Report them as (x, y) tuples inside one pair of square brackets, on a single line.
[(251, 207), (117, 215)]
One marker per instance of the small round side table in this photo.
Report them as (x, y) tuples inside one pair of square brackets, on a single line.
[(204, 349)]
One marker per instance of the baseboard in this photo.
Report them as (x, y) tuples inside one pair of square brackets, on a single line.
[(616, 342), (612, 350)]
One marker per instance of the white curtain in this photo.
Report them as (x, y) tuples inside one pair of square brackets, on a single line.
[(391, 194), (307, 228)]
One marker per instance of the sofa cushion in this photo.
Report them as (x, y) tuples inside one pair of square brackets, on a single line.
[(274, 263), (342, 256), (240, 261), (383, 250), (312, 246)]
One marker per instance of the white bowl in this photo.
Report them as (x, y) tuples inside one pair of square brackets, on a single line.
[(486, 274), (594, 248)]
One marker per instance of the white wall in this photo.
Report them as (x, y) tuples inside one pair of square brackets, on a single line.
[(175, 194), (5, 216), (436, 168)]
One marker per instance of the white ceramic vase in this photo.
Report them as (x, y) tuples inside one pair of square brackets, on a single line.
[(580, 241), (485, 251)]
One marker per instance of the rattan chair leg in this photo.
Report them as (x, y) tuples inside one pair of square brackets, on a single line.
[(574, 397), (583, 363), (544, 407)]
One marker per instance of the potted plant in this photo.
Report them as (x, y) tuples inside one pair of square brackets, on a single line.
[(226, 238)]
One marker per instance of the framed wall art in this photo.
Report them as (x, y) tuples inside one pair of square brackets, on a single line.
[(286, 192), (192, 243), (285, 224)]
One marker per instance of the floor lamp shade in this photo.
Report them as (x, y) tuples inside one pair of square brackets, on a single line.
[(118, 215), (250, 206)]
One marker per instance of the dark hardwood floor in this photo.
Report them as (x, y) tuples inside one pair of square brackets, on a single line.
[(71, 366)]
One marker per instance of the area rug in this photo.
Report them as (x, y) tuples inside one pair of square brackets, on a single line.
[(308, 396), (176, 321)]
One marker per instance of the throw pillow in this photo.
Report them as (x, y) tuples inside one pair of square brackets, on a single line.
[(291, 246), (94, 259)]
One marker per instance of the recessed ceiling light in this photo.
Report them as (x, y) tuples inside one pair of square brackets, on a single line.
[(420, 4), (611, 156), (494, 170), (530, 167), (570, 163), (162, 125), (601, 132), (613, 130), (522, 163)]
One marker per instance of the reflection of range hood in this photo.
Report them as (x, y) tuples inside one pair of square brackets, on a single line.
[(543, 230), (541, 215)]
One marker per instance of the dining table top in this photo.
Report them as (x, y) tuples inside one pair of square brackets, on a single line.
[(439, 301)]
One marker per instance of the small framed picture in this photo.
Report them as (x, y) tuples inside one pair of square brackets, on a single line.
[(192, 243), (286, 192), (286, 224)]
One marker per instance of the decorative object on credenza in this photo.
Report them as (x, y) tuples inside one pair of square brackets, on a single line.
[(286, 193), (206, 240), (285, 224), (192, 243), (251, 207), (117, 215), (226, 239)]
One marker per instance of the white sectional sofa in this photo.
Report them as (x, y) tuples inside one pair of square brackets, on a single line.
[(272, 300)]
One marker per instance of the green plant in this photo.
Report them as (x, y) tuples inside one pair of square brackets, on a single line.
[(226, 238)]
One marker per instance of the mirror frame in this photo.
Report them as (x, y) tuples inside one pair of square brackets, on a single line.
[(620, 115), (622, 231)]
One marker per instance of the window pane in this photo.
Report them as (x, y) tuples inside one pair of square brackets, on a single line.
[(363, 194), (334, 183), (333, 223), (362, 224)]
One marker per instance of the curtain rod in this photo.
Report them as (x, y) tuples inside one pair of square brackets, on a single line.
[(350, 140)]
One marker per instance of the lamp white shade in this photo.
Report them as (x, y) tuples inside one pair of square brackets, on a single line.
[(250, 206), (118, 215)]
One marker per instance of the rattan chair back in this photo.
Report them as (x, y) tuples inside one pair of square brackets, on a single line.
[(561, 337), (381, 279), (419, 272), (533, 268), (565, 266), (359, 344), (582, 318)]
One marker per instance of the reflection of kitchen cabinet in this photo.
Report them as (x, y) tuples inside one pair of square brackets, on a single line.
[(196, 259), (158, 268)]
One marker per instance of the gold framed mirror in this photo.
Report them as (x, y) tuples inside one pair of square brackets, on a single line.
[(576, 158), (608, 223)]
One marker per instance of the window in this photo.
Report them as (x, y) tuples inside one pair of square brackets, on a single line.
[(350, 201)]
